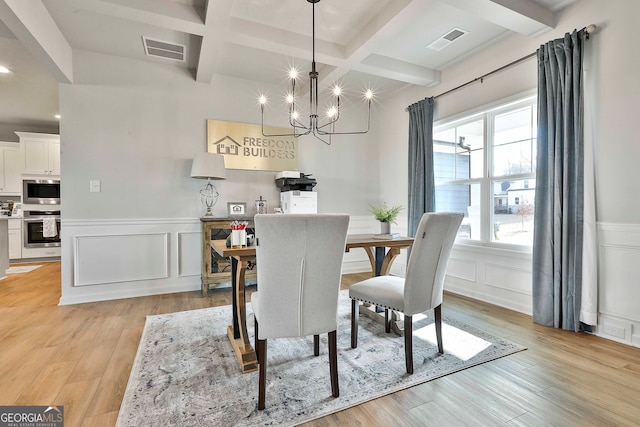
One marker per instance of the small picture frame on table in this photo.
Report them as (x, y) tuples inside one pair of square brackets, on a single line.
[(236, 208)]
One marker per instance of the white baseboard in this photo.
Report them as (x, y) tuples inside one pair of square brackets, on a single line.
[(106, 293)]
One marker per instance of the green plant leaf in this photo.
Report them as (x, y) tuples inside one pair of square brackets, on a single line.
[(383, 213)]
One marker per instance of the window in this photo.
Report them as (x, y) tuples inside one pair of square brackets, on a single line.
[(484, 167)]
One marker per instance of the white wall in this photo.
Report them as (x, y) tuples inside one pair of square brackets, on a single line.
[(611, 64), (136, 130)]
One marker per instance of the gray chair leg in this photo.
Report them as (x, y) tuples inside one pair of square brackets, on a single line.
[(438, 315), (316, 345), (354, 323), (333, 363), (262, 361), (408, 343)]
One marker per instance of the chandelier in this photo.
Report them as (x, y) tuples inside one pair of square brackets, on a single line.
[(321, 128)]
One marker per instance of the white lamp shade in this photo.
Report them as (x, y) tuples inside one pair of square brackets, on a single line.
[(208, 165)]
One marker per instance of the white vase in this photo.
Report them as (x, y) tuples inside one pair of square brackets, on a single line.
[(385, 227), (238, 238)]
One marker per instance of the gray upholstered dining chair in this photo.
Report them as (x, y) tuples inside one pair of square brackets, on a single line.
[(299, 264), (421, 289)]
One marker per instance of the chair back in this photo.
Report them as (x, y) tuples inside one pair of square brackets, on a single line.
[(424, 281), (299, 262)]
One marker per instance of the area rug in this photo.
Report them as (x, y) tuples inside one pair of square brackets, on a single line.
[(22, 269), (186, 373)]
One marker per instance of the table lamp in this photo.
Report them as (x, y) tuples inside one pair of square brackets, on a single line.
[(209, 166)]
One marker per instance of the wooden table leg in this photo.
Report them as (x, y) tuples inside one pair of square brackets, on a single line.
[(372, 260), (381, 267), (397, 319), (392, 253), (237, 332)]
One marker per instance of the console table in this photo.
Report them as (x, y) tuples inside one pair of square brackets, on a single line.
[(215, 269)]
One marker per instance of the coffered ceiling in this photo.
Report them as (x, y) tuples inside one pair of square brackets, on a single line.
[(383, 43)]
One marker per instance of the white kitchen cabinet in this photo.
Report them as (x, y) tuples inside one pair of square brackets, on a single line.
[(10, 171), (54, 157), (15, 238), (40, 153)]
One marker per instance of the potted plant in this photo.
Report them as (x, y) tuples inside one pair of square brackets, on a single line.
[(386, 215)]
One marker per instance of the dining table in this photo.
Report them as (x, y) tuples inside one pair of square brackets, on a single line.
[(380, 251)]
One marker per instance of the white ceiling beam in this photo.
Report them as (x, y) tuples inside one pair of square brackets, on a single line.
[(521, 16), (217, 15), (395, 69), (207, 25), (160, 13), (338, 58), (283, 42), (387, 23), (32, 24)]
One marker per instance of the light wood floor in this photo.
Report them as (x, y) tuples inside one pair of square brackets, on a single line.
[(80, 356)]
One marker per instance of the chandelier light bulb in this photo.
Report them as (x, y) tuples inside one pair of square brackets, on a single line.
[(368, 94), (263, 100), (332, 112), (293, 74), (294, 115), (337, 90), (290, 98)]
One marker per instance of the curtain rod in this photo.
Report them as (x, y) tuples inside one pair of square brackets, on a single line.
[(589, 28)]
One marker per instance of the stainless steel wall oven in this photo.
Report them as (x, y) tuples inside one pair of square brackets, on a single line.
[(34, 229)]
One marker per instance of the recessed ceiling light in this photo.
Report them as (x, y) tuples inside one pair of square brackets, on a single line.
[(4, 70), (57, 116)]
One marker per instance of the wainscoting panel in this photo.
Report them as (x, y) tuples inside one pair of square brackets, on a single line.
[(127, 258), (618, 283), (494, 275), (464, 269), (116, 258), (189, 243), (508, 278)]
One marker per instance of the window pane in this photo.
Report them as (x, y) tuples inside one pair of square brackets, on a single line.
[(514, 142), (471, 144), (513, 211), (463, 198), (458, 152)]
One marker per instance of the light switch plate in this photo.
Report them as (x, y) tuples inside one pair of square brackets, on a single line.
[(94, 186)]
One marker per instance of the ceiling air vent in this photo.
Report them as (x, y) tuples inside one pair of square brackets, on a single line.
[(162, 49), (447, 39)]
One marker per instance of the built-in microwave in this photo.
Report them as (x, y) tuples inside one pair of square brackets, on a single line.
[(41, 192)]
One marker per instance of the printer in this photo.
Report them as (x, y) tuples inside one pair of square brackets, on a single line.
[(296, 192)]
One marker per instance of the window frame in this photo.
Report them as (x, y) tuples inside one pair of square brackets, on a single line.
[(488, 113)]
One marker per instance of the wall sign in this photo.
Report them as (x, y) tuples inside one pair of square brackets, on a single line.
[(244, 146)]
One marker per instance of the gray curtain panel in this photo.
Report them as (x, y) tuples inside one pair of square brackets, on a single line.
[(557, 246), (422, 194)]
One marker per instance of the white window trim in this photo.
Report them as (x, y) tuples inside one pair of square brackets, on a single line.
[(485, 111)]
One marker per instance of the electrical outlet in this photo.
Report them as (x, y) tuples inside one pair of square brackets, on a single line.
[(614, 331)]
